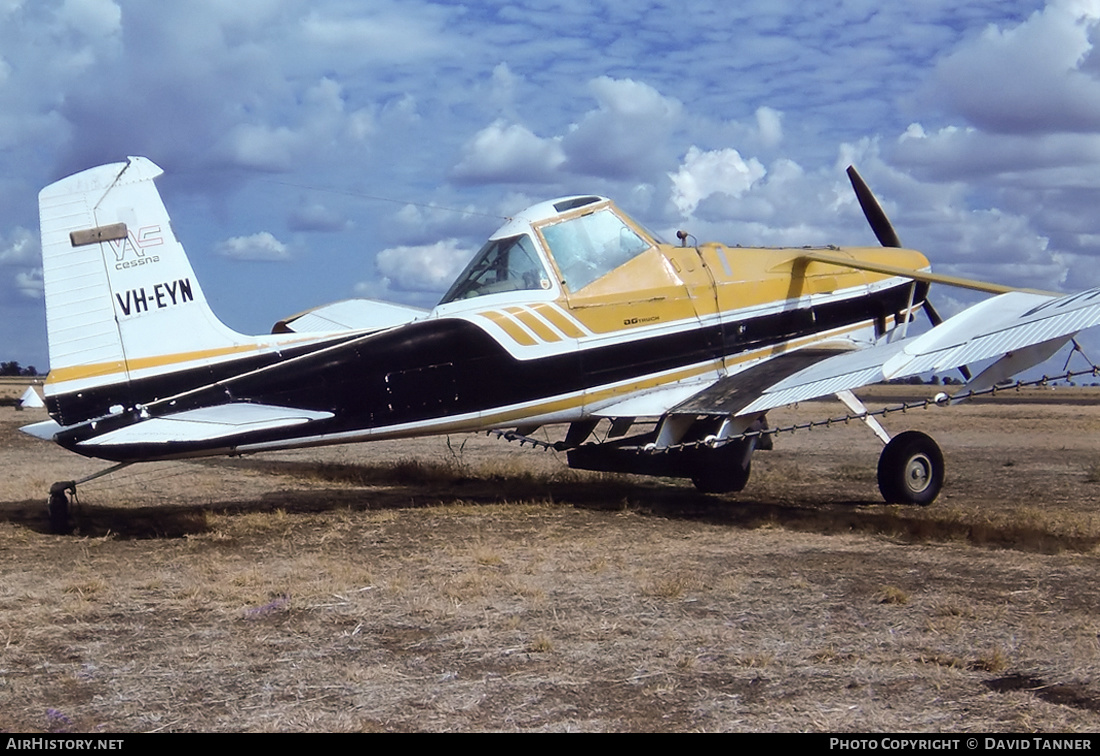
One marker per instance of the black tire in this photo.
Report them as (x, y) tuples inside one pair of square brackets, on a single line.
[(718, 480), (721, 471), (910, 469)]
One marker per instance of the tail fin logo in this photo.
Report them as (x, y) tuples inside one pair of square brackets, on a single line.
[(130, 250)]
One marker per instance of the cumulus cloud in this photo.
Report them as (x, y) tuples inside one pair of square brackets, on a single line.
[(425, 268), (259, 247), (508, 153), (1018, 159), (962, 232), (705, 173), (955, 153), (504, 82), (322, 118), (627, 135), (1028, 78), (228, 86)]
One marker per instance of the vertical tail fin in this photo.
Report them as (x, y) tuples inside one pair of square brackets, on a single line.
[(121, 296)]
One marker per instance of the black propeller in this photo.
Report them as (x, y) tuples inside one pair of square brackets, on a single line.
[(888, 237), (880, 224)]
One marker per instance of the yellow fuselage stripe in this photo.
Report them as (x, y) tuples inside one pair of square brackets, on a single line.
[(530, 320), (559, 319), (510, 327)]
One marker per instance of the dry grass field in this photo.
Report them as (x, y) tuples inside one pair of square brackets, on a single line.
[(469, 584), (11, 388)]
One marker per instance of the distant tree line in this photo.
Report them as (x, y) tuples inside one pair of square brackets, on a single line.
[(14, 368), (947, 380)]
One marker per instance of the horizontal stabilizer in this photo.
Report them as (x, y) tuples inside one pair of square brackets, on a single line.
[(350, 315), (207, 424), (44, 430)]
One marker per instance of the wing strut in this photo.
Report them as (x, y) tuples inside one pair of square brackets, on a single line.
[(852, 402)]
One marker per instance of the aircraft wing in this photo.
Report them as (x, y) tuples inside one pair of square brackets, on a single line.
[(731, 394), (1021, 329)]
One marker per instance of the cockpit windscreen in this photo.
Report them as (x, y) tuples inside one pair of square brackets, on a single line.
[(587, 247)]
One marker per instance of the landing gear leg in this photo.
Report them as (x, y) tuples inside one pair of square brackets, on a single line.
[(910, 469)]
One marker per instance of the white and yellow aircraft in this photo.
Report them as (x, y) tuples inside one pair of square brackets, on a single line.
[(571, 313)]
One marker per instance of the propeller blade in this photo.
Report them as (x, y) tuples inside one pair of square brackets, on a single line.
[(933, 316), (880, 224)]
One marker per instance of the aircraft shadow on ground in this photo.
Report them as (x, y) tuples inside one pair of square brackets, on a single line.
[(406, 485)]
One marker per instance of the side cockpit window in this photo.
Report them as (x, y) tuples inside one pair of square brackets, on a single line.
[(509, 264), (587, 247)]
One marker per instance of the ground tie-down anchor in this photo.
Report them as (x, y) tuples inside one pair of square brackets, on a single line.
[(63, 492)]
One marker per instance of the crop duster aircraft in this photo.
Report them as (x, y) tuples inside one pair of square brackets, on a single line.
[(571, 313)]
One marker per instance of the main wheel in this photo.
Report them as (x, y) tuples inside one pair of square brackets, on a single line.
[(725, 469), (910, 469), (722, 480)]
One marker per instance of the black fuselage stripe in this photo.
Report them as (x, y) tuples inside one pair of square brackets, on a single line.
[(446, 367)]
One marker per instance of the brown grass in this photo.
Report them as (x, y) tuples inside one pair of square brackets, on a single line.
[(893, 595), (421, 586)]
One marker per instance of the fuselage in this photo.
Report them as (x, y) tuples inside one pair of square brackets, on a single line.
[(524, 337)]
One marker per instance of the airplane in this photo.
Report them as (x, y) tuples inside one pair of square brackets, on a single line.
[(571, 313)]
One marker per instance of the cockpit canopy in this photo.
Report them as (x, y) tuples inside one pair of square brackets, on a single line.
[(508, 264), (576, 240)]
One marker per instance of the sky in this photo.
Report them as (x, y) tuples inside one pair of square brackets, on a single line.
[(325, 149)]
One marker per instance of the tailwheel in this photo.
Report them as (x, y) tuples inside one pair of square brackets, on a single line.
[(910, 469), (58, 507)]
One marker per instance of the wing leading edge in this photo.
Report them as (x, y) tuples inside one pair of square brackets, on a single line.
[(730, 395)]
